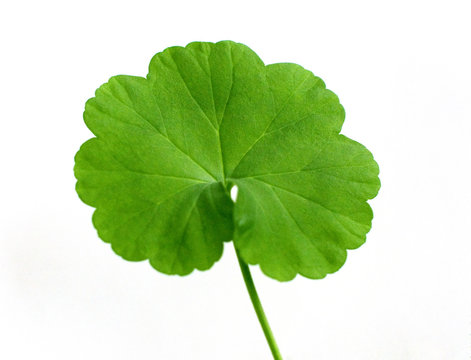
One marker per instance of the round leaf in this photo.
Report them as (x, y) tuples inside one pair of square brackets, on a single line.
[(169, 147)]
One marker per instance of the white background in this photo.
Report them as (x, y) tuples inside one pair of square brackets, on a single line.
[(402, 71)]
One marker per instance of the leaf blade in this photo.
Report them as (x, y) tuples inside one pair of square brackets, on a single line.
[(169, 147)]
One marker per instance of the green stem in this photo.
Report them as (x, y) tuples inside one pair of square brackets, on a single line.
[(258, 308)]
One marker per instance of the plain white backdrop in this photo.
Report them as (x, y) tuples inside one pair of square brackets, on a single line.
[(401, 70)]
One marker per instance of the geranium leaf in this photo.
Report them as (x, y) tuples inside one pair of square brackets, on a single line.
[(169, 147)]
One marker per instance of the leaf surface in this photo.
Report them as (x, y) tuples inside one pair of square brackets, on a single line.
[(169, 147)]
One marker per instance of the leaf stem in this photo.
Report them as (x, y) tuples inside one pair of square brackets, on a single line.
[(258, 307)]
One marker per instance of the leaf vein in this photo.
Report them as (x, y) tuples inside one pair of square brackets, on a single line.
[(165, 137), (270, 123)]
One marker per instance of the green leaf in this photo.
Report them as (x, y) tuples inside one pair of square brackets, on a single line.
[(169, 147)]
